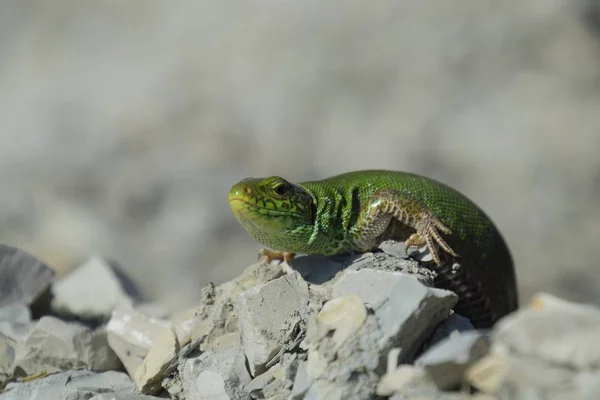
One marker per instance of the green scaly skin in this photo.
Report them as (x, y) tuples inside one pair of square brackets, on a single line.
[(357, 210)]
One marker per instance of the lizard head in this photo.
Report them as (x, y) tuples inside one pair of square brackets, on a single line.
[(271, 208)]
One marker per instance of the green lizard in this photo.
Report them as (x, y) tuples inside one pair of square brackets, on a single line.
[(354, 212)]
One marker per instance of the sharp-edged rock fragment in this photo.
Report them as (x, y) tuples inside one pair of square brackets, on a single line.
[(216, 315), (7, 358), (398, 379), (447, 361), (410, 314), (547, 347), (452, 325), (277, 381), (343, 316), (131, 334), (214, 374), (70, 385), (301, 382), (23, 278), (373, 286), (15, 321), (315, 269), (554, 330), (54, 345), (267, 313), (92, 291), (148, 376), (124, 396)]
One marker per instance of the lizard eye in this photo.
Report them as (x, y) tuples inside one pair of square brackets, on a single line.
[(280, 189)]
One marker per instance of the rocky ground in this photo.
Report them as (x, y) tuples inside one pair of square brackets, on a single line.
[(360, 327)]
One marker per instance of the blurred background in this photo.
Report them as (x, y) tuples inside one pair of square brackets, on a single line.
[(124, 124)]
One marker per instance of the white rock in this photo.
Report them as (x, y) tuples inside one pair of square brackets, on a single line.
[(131, 334), (344, 316), (397, 379), (554, 330), (266, 312), (92, 290), (148, 376), (23, 278)]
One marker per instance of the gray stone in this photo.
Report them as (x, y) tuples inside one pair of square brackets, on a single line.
[(70, 385), (277, 381), (301, 382), (551, 329), (453, 324), (123, 396), (23, 278), (92, 291), (54, 345), (386, 262), (213, 374), (393, 248), (447, 361), (216, 315), (266, 314), (131, 334), (373, 286), (15, 321), (410, 314), (315, 269), (7, 357)]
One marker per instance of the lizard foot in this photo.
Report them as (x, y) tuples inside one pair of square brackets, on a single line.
[(428, 233), (268, 255)]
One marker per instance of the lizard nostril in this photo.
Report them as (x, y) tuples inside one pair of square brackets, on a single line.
[(247, 190)]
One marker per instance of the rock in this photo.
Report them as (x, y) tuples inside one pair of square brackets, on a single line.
[(23, 278), (385, 262), (148, 376), (398, 379), (15, 321), (393, 248), (488, 374), (267, 313), (554, 330), (348, 371), (410, 314), (213, 374), (547, 347), (315, 269), (92, 291), (277, 381), (447, 361), (216, 315), (7, 358), (54, 345), (301, 382), (452, 325), (342, 316), (373, 286), (131, 334), (123, 396), (70, 385)]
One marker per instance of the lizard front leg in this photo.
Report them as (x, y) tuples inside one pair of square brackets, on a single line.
[(269, 255), (387, 204)]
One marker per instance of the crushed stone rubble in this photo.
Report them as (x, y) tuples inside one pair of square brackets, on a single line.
[(368, 326)]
